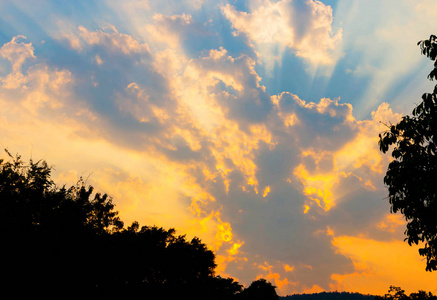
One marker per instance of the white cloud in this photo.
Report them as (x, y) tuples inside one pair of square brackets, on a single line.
[(113, 40), (17, 54), (169, 29), (303, 27), (38, 85)]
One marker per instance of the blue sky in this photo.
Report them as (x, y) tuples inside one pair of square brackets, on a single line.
[(251, 124)]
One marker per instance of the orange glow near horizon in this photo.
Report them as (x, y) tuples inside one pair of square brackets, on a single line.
[(380, 264)]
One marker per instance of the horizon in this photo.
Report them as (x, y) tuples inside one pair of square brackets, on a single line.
[(252, 125)]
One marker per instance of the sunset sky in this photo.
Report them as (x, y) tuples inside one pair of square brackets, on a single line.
[(251, 124)]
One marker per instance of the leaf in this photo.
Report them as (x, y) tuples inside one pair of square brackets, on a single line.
[(432, 74), (433, 53)]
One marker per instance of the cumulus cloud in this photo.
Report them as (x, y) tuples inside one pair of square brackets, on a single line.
[(109, 38), (243, 97), (16, 53), (274, 26), (39, 84)]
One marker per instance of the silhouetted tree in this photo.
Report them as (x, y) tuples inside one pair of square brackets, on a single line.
[(31, 203), (330, 296), (396, 293), (154, 261), (223, 288), (411, 176), (49, 233), (65, 241), (422, 295), (259, 290)]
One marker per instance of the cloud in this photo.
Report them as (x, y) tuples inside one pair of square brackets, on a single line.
[(168, 29), (17, 54), (274, 26), (37, 86), (110, 39), (329, 157), (327, 124), (391, 223), (243, 97)]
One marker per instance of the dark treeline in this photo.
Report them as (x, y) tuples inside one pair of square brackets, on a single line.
[(397, 293), (330, 296), (394, 293), (70, 241)]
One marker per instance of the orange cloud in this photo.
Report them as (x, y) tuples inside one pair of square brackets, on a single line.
[(391, 222), (201, 110), (318, 187), (321, 182), (288, 268), (275, 277), (312, 290), (266, 191)]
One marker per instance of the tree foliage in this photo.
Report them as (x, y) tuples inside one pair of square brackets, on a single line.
[(259, 290), (59, 241), (32, 204), (397, 293), (411, 176), (330, 296)]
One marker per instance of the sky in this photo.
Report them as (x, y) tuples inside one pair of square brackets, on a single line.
[(252, 125)]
